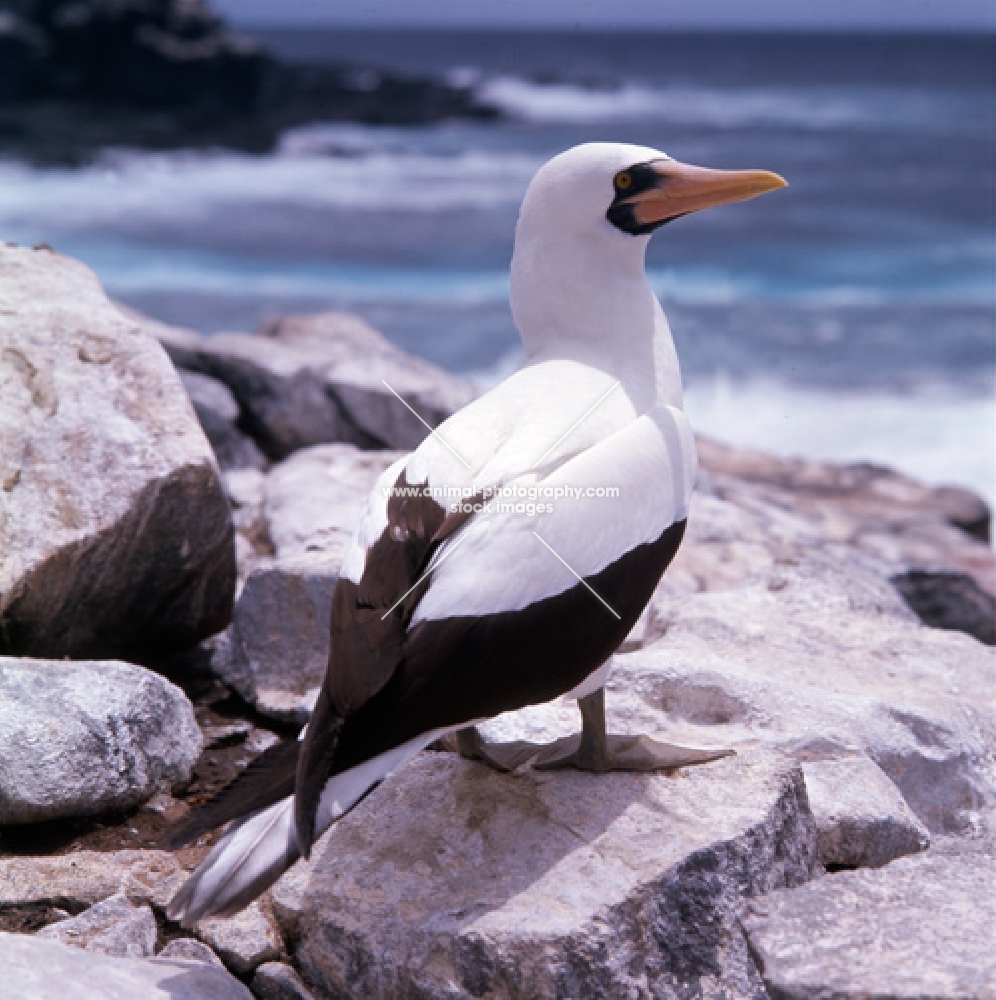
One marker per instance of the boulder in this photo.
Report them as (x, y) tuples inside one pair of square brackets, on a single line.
[(314, 500), (920, 927), (242, 941), (48, 970), (279, 642), (115, 532), (903, 524), (861, 818), (820, 659), (83, 878), (950, 600), (86, 738), (114, 926), (218, 413), (453, 880), (313, 379)]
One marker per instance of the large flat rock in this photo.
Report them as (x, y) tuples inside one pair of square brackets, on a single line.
[(920, 927), (312, 379), (115, 532), (82, 878), (82, 738), (452, 880), (47, 970), (822, 661)]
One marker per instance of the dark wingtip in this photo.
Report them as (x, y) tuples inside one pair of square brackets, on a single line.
[(269, 778)]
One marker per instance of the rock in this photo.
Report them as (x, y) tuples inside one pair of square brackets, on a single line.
[(453, 880), (861, 819), (898, 521), (218, 413), (314, 500), (820, 659), (243, 941), (87, 877), (313, 379), (951, 601), (246, 491), (276, 981), (280, 636), (113, 927), (108, 489), (191, 950), (86, 738), (48, 970), (920, 927)]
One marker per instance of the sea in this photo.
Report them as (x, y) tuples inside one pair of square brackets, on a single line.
[(849, 317)]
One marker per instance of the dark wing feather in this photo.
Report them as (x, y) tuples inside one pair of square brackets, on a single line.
[(369, 624), (268, 779)]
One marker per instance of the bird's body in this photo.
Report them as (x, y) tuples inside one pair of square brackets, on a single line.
[(503, 561)]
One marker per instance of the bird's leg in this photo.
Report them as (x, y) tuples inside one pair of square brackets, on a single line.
[(469, 743), (594, 750)]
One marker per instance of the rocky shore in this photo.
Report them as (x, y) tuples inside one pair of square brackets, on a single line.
[(78, 75), (173, 513)]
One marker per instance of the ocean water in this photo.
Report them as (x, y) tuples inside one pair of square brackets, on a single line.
[(849, 317)]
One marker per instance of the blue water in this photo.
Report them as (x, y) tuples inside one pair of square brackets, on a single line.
[(850, 316)]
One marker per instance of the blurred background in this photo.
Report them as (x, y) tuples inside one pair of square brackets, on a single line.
[(370, 156)]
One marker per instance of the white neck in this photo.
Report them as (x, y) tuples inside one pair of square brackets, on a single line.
[(588, 300)]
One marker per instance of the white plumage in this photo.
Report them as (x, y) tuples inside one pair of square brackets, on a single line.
[(597, 404)]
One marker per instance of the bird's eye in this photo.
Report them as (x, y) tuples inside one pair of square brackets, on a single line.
[(624, 180)]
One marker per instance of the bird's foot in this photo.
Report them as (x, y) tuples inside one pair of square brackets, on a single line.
[(620, 753), (470, 744)]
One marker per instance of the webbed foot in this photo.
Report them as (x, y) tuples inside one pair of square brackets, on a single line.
[(505, 757)]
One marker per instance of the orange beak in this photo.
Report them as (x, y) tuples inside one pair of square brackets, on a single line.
[(682, 188)]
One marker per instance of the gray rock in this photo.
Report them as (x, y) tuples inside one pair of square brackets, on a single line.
[(108, 489), (191, 950), (47, 970), (821, 660), (87, 877), (280, 636), (85, 738), (314, 500), (452, 880), (114, 926), (276, 981), (246, 491), (862, 819), (902, 523), (312, 379), (218, 413), (243, 941), (920, 927), (950, 600), (312, 503)]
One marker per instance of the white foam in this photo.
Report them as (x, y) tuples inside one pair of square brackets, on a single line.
[(190, 187), (935, 434), (811, 108)]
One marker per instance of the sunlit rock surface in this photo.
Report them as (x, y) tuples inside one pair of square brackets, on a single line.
[(115, 534)]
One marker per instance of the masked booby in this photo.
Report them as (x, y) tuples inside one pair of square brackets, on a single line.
[(444, 616)]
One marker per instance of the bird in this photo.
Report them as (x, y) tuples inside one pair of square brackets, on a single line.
[(488, 572)]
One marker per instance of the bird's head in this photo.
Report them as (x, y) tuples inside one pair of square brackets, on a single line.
[(604, 187)]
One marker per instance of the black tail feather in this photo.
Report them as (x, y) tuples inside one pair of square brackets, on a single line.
[(268, 779)]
